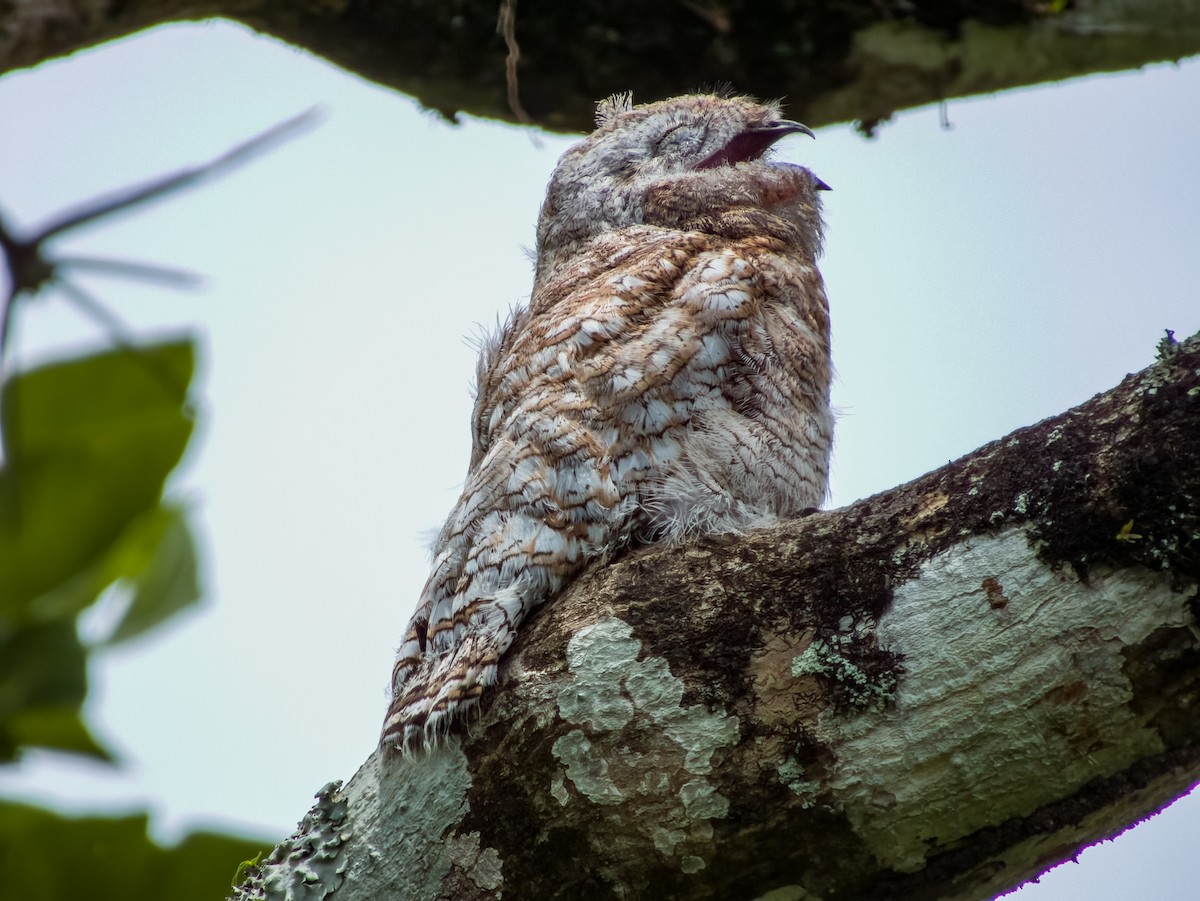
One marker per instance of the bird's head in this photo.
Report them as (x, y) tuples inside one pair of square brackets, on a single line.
[(702, 144)]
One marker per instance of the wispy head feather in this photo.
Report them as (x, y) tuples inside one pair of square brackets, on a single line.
[(612, 106)]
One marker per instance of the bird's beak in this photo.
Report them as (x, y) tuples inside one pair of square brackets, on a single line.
[(786, 127), (753, 143)]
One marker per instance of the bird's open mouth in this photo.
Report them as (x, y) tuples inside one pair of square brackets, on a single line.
[(753, 143)]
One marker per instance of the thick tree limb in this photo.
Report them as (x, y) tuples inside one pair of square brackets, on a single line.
[(858, 60), (936, 692)]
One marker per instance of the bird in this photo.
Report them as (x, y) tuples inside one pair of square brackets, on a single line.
[(668, 378)]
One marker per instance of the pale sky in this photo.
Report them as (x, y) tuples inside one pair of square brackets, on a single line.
[(981, 278)]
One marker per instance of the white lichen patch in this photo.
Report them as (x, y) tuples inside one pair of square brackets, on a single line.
[(825, 657), (588, 771), (421, 799), (558, 790), (311, 863), (791, 774), (994, 699), (665, 748), (665, 840), (598, 656), (482, 865), (702, 801)]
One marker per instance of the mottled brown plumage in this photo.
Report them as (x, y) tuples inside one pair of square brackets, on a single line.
[(669, 377)]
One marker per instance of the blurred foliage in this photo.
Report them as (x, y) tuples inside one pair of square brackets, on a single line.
[(47, 856), (88, 444)]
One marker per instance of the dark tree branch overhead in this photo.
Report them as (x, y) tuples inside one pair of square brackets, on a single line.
[(937, 692), (859, 60)]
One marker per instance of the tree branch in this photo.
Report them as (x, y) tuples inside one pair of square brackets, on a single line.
[(936, 692), (857, 61)]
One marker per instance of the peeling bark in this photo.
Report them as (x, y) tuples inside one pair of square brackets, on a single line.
[(937, 692), (851, 61)]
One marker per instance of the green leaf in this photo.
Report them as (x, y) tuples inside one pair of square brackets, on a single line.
[(243, 871), (42, 663), (88, 444), (57, 728), (50, 857), (157, 555), (43, 681)]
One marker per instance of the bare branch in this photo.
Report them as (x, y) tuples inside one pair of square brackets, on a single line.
[(155, 189), (934, 693), (31, 269), (175, 278)]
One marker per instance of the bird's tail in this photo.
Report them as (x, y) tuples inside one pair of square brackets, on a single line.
[(432, 689)]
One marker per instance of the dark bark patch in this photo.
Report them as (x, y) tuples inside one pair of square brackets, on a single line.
[(1164, 671)]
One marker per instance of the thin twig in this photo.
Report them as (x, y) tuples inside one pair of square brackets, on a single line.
[(176, 278), (944, 116), (184, 178), (506, 26), (30, 269), (121, 336)]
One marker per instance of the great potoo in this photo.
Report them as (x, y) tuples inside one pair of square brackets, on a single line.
[(668, 378)]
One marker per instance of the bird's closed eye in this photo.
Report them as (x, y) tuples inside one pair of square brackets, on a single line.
[(685, 139)]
